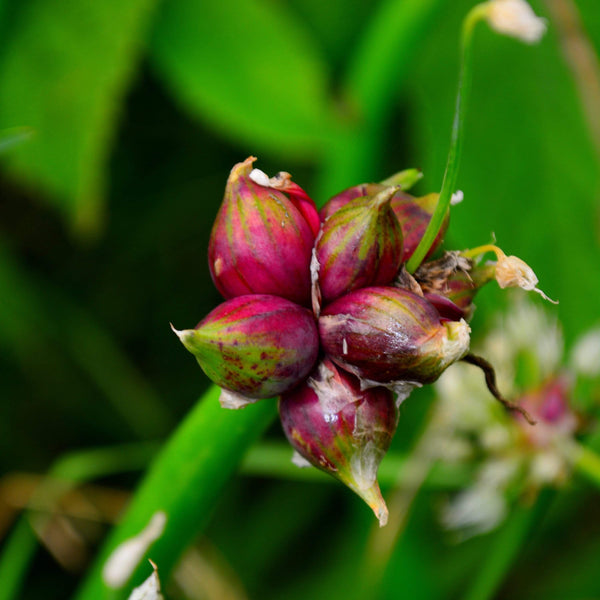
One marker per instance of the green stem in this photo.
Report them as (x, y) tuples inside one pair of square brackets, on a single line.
[(184, 482), (451, 172), (68, 472), (18, 552)]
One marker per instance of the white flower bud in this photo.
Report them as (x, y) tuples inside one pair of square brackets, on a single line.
[(516, 19)]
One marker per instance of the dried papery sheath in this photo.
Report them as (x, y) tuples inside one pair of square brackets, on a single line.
[(462, 287), (359, 245), (456, 279), (341, 429), (406, 281), (262, 238), (509, 271), (255, 346), (385, 334)]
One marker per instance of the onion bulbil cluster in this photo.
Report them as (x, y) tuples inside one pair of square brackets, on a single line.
[(320, 310)]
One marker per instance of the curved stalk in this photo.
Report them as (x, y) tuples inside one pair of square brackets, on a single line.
[(451, 173)]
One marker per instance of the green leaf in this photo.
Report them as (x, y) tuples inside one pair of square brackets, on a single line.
[(63, 72), (247, 68), (67, 473), (335, 40), (184, 482), (13, 137)]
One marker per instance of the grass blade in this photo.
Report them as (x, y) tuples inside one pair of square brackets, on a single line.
[(184, 482)]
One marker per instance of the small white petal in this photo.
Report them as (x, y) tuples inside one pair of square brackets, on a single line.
[(315, 290), (465, 402), (457, 197), (126, 557), (516, 19), (547, 467), (496, 437), (233, 400), (476, 510), (299, 460), (149, 590), (585, 357), (260, 177), (527, 326)]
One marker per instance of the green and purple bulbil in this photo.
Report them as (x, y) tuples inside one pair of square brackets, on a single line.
[(320, 310)]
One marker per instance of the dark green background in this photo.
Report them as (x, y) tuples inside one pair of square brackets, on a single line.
[(139, 108)]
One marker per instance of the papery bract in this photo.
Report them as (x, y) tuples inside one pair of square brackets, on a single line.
[(385, 334), (455, 279), (262, 240), (341, 429), (255, 345), (359, 245)]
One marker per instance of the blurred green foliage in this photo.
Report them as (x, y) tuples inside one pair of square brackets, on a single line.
[(271, 95), (138, 109)]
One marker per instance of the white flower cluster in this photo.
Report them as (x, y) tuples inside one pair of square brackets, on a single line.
[(514, 452)]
